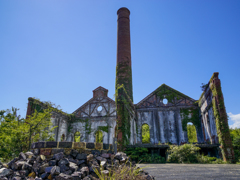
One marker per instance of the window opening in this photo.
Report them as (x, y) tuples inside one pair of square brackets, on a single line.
[(145, 134)]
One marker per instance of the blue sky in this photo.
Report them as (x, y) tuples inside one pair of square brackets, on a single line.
[(60, 51)]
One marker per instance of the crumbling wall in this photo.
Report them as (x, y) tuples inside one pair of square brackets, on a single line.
[(214, 117), (99, 113), (168, 122)]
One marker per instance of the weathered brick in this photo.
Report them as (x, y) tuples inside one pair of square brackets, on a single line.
[(90, 145), (65, 145), (45, 152)]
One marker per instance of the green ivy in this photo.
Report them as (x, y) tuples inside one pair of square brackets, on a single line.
[(170, 94), (194, 118), (124, 76), (124, 109)]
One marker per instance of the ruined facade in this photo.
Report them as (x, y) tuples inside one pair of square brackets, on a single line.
[(166, 111)]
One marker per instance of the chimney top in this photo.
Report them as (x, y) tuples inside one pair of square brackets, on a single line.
[(123, 9)]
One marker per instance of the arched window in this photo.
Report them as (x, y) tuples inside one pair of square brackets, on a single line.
[(99, 136), (63, 137), (145, 134), (77, 136), (192, 133)]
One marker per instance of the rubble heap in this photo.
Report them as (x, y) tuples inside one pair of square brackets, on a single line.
[(75, 166)]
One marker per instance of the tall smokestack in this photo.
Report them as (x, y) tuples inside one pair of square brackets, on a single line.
[(124, 67)]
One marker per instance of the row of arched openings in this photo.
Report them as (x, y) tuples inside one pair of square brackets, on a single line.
[(77, 137), (191, 132)]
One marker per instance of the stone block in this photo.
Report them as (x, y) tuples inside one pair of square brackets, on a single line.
[(45, 152), (98, 146), (110, 152), (65, 145), (38, 145), (103, 151), (81, 150), (55, 151), (78, 145), (90, 145), (36, 152), (51, 144), (67, 151), (105, 146), (87, 151)]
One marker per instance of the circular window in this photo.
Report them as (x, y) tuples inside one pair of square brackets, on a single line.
[(99, 108), (165, 101)]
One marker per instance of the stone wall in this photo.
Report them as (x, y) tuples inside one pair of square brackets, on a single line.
[(165, 120), (50, 148)]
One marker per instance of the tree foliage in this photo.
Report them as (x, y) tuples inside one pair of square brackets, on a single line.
[(192, 134), (235, 136), (18, 133), (99, 136), (145, 134)]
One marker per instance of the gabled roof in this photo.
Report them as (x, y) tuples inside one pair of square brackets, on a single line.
[(161, 88), (100, 88), (95, 98)]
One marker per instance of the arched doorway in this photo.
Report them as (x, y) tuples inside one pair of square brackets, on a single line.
[(145, 134), (192, 133), (99, 136), (77, 136)]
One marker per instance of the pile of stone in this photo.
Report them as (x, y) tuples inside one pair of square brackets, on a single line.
[(75, 166)]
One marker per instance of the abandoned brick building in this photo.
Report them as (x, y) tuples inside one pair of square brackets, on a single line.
[(166, 111)]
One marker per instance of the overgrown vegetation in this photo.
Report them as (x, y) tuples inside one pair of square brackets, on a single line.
[(192, 134), (99, 136), (145, 134), (142, 155), (188, 153), (123, 172), (124, 113), (18, 133), (235, 136), (190, 115), (169, 93)]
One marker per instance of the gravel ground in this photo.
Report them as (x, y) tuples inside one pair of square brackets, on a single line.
[(193, 171)]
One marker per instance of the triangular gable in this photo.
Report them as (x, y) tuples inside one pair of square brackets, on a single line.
[(99, 98), (174, 97)]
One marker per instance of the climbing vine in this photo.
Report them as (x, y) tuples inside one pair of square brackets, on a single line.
[(104, 128), (170, 94), (190, 115), (124, 76), (221, 122), (124, 111)]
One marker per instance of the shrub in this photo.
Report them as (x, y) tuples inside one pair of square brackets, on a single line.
[(123, 172), (189, 153), (186, 153), (142, 155)]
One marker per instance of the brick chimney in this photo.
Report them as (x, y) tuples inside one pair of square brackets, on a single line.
[(124, 67)]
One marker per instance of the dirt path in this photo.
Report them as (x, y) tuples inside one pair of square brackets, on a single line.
[(193, 171)]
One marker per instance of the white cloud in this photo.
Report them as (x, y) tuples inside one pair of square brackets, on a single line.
[(235, 118)]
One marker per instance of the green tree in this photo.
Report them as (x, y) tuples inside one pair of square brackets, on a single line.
[(99, 136), (192, 134), (17, 133), (145, 134), (77, 136), (235, 136)]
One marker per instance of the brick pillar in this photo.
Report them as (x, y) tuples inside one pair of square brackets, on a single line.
[(29, 108), (221, 119), (124, 67)]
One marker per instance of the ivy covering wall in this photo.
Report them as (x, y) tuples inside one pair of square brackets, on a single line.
[(221, 118), (125, 110), (70, 118)]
